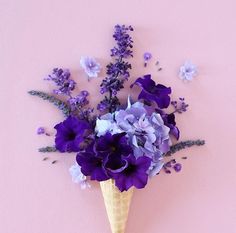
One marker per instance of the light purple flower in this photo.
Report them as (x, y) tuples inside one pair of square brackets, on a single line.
[(41, 130), (147, 56), (187, 71), (90, 66), (78, 177)]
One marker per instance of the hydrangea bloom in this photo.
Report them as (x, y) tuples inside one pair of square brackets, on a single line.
[(70, 134), (187, 71), (152, 92), (90, 66), (78, 177)]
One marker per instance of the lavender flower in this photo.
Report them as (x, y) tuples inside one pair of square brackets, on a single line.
[(187, 71), (62, 79), (117, 72), (78, 177), (90, 66), (180, 106), (79, 101)]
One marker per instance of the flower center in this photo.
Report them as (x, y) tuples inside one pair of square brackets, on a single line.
[(71, 136)]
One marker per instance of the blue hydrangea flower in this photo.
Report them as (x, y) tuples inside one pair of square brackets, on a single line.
[(187, 71), (90, 66)]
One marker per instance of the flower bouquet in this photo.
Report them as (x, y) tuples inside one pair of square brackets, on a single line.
[(120, 145)]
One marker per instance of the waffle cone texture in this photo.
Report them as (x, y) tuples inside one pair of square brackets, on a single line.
[(117, 205)]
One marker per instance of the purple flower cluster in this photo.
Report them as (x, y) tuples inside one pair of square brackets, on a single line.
[(118, 71), (128, 144), (111, 157), (62, 79)]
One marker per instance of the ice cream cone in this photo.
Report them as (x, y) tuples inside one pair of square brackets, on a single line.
[(117, 205)]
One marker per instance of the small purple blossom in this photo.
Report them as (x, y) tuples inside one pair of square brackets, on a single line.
[(177, 167), (146, 56), (187, 71), (62, 79), (153, 92), (41, 130), (79, 101), (90, 66), (179, 106)]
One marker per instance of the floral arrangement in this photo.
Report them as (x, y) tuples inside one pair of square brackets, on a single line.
[(126, 143)]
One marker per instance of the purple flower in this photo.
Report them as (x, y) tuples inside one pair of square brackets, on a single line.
[(62, 79), (187, 71), (147, 56), (152, 92), (92, 164), (113, 144), (70, 134), (79, 101), (41, 130), (90, 66), (135, 174), (169, 120), (177, 167), (124, 42)]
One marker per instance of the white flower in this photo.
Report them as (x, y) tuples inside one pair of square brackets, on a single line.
[(187, 71), (78, 177), (90, 66)]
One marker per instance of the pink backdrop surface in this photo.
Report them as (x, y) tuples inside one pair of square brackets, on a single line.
[(38, 197)]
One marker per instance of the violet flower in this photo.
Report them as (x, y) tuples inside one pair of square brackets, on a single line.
[(70, 134), (187, 71), (41, 130), (152, 92), (90, 66), (92, 163), (135, 174)]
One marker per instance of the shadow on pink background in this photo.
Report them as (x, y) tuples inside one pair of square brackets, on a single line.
[(38, 197)]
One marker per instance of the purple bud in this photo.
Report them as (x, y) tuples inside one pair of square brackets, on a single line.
[(177, 167), (40, 130), (147, 56)]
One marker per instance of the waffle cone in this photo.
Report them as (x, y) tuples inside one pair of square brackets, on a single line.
[(117, 205)]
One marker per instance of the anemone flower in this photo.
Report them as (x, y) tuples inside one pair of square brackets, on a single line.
[(152, 92), (70, 134)]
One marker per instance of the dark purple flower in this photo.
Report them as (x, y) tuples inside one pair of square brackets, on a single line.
[(135, 174), (169, 121), (113, 144), (70, 134), (92, 164), (152, 92)]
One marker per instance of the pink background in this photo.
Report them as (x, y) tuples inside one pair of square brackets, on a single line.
[(38, 197)]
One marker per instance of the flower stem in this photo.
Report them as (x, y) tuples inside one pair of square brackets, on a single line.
[(58, 103), (184, 144)]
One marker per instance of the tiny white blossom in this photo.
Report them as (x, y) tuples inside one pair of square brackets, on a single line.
[(78, 177), (187, 71), (90, 66)]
